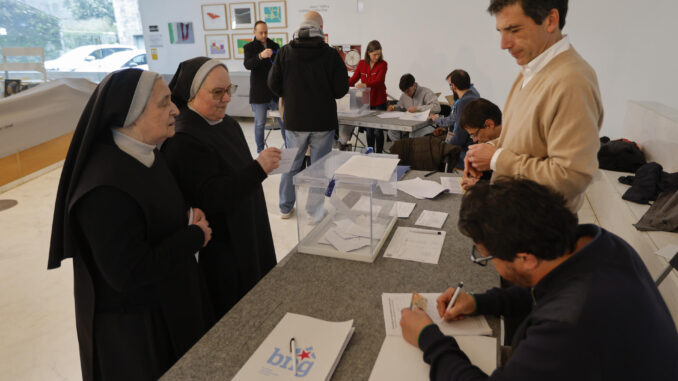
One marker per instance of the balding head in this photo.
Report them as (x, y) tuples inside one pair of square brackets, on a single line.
[(314, 17)]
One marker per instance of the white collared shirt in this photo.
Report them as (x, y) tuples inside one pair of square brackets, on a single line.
[(538, 63), (139, 150), (531, 69)]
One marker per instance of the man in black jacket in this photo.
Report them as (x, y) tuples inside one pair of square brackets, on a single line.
[(594, 313), (309, 75), (259, 56)]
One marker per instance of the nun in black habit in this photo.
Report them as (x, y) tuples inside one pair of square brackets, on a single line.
[(213, 165), (140, 299)]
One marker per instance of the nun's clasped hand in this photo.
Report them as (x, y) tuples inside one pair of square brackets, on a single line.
[(269, 159)]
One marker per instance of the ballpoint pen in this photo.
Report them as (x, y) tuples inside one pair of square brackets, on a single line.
[(432, 232), (293, 349), (455, 295)]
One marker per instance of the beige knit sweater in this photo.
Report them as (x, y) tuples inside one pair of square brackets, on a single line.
[(550, 128)]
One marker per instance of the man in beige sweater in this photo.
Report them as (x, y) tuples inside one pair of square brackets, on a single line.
[(553, 112)]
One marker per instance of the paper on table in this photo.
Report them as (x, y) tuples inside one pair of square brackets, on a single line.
[(452, 184), (414, 244), (431, 219), (668, 251), (416, 116), (286, 160), (419, 188), (394, 303), (400, 361), (368, 167), (403, 209), (390, 114)]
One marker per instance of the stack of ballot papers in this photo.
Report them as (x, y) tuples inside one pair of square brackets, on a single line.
[(419, 245), (319, 346), (399, 360), (368, 167), (452, 184), (420, 188), (404, 115), (348, 235)]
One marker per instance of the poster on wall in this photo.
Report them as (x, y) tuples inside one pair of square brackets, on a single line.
[(218, 46), (350, 54), (181, 33), (243, 15), (239, 42), (280, 38), (274, 13), (214, 17)]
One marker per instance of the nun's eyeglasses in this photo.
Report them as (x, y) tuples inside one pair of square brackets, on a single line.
[(479, 260), (219, 93)]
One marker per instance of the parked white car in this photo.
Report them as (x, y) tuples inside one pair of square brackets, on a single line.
[(116, 61), (73, 59)]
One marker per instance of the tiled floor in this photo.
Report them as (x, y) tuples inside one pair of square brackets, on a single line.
[(37, 318)]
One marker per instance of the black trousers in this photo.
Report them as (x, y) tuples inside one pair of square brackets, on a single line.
[(376, 133)]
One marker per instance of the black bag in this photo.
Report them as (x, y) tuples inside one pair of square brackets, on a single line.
[(620, 155)]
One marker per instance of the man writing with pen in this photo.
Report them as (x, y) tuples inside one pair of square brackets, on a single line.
[(592, 309)]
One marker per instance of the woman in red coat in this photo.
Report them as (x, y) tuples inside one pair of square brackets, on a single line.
[(371, 72)]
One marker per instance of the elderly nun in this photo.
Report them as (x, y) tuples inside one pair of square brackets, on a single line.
[(140, 299), (215, 170)]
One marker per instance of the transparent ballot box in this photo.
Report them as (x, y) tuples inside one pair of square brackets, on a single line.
[(344, 216), (355, 103)]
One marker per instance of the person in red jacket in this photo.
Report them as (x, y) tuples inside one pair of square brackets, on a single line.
[(371, 72)]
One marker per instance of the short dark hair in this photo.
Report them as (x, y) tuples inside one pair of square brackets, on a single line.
[(476, 112), (406, 81), (259, 22), (372, 46), (460, 78), (537, 10), (513, 216)]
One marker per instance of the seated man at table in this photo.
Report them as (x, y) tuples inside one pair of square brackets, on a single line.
[(594, 311), (481, 119), (415, 98)]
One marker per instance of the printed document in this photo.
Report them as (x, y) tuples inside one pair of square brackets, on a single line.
[(453, 184), (431, 219), (419, 245), (285, 164), (394, 303)]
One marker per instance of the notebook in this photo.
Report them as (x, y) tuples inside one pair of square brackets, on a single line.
[(319, 346)]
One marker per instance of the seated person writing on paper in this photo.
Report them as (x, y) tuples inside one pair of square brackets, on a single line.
[(481, 120), (415, 98), (594, 311)]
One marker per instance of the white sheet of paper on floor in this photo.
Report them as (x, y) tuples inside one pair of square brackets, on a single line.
[(420, 188), (668, 251), (414, 244), (393, 303), (368, 167), (452, 184), (399, 360), (431, 219), (285, 164)]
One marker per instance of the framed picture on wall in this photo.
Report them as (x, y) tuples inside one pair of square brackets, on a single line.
[(274, 13), (239, 42), (280, 38), (214, 17), (243, 15), (218, 46)]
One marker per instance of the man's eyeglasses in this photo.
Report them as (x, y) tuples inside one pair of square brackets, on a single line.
[(219, 93), (473, 135), (479, 260)]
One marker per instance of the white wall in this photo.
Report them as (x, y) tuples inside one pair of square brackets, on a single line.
[(630, 44)]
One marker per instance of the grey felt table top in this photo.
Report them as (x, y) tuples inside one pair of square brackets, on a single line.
[(336, 290)]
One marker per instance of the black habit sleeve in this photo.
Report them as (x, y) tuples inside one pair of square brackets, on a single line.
[(114, 226), (199, 174)]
